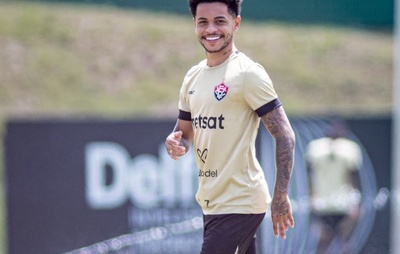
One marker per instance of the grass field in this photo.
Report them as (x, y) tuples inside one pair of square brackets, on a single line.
[(79, 61), (68, 60)]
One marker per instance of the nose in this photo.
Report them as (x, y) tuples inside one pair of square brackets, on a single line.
[(211, 28)]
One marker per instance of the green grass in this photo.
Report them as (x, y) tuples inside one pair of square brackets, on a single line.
[(78, 60), (70, 60)]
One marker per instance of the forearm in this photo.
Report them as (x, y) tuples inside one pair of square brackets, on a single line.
[(279, 127), (277, 124), (284, 162)]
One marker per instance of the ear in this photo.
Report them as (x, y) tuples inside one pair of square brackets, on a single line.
[(238, 20)]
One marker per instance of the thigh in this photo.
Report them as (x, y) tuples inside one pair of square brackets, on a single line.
[(224, 234)]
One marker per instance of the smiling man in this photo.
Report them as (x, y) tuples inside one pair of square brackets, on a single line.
[(222, 100)]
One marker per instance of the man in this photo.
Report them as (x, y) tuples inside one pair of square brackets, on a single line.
[(333, 164), (221, 102)]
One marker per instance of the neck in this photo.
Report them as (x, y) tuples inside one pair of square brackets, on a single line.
[(214, 59)]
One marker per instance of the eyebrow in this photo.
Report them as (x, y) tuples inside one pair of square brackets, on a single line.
[(218, 17)]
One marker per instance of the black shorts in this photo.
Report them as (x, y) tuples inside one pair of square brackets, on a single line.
[(225, 233)]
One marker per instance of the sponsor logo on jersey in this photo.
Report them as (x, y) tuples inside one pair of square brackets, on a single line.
[(202, 154), (208, 122), (208, 173), (220, 91)]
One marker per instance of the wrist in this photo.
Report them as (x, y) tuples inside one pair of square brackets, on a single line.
[(280, 193)]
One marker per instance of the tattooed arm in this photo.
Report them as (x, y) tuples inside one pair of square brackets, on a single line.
[(277, 124)]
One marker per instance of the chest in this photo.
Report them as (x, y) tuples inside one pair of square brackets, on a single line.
[(216, 90)]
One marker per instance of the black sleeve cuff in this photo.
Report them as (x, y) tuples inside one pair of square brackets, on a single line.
[(268, 107), (186, 116)]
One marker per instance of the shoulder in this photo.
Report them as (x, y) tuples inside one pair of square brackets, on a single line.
[(317, 145), (193, 72), (245, 62), (196, 68), (253, 70), (348, 146)]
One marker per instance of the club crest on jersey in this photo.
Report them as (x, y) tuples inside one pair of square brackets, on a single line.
[(220, 91)]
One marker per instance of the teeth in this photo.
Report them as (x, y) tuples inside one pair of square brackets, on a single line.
[(212, 38)]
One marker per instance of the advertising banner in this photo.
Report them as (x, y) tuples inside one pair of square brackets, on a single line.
[(103, 186)]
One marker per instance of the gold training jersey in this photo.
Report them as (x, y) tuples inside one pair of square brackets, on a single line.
[(332, 161), (224, 104)]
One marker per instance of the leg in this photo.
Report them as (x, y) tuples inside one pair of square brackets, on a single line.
[(252, 249), (248, 243), (329, 226)]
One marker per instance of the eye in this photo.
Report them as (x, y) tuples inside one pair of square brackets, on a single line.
[(220, 21), (201, 22)]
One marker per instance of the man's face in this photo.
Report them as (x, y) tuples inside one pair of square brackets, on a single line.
[(215, 26)]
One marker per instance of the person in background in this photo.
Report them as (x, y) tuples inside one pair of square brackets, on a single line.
[(222, 100), (333, 164)]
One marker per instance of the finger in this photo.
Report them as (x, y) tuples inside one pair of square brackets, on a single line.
[(291, 221), (283, 234), (275, 228), (277, 225), (281, 230), (280, 226), (169, 145), (285, 224), (171, 142), (172, 138), (176, 151), (172, 155)]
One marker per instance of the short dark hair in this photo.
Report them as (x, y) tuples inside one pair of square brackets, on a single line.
[(234, 6)]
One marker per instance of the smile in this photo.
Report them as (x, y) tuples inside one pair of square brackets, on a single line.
[(213, 38)]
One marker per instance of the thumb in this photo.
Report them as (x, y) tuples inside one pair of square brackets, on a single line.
[(178, 135)]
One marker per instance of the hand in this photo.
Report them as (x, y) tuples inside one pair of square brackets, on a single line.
[(281, 213), (173, 145)]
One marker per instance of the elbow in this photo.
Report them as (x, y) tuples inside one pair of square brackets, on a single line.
[(287, 141)]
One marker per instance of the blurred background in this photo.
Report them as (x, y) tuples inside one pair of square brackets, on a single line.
[(89, 91)]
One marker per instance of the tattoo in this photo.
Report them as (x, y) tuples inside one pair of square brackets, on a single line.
[(279, 207), (279, 127)]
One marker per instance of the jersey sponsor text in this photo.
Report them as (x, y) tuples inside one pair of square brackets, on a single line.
[(208, 173), (208, 122)]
